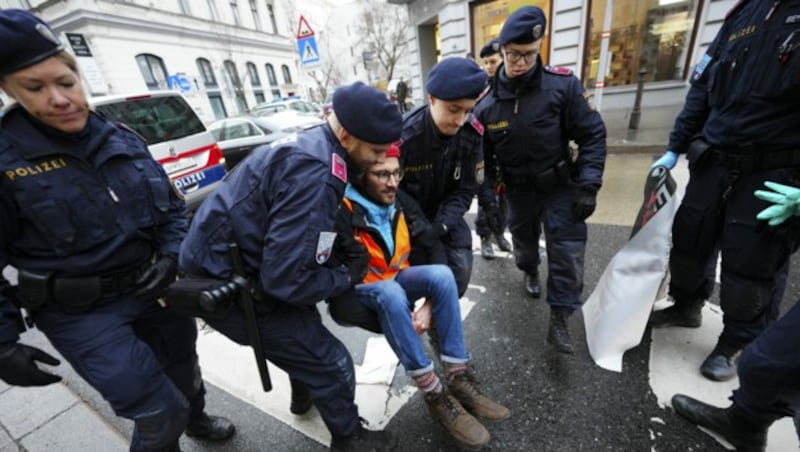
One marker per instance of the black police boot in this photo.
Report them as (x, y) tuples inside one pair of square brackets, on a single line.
[(688, 315), (502, 243), (743, 433), (211, 428), (365, 440), (720, 365), (558, 333), (487, 252), (532, 286), (301, 398)]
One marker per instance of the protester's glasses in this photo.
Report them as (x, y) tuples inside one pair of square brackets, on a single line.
[(383, 176), (514, 57)]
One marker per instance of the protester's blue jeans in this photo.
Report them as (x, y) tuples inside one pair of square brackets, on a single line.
[(393, 300)]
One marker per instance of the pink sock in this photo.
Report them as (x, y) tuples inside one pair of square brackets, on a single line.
[(455, 370), (428, 383)]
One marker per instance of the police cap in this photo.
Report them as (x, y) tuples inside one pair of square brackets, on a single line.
[(367, 113), (26, 40), (456, 78), (524, 26), (490, 48)]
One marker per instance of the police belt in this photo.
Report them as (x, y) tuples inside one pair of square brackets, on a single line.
[(748, 161), (76, 293), (525, 177)]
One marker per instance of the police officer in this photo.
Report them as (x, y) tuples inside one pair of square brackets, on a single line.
[(489, 228), (738, 128), (531, 114), (443, 161), (92, 225), (769, 369), (279, 208)]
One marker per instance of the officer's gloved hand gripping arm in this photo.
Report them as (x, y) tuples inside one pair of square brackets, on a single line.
[(785, 200)]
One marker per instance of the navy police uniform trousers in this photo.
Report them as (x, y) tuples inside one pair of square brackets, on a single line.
[(140, 357)]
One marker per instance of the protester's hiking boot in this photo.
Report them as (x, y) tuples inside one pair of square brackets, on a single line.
[(211, 428), (502, 243), (688, 316), (730, 423), (558, 333), (365, 440), (487, 251), (460, 425), (532, 286), (720, 365), (467, 391), (301, 398)]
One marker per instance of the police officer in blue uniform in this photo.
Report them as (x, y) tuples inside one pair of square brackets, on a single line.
[(769, 369), (279, 207), (92, 225), (738, 128), (441, 152), (531, 114)]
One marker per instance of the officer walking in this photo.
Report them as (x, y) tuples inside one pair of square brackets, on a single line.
[(443, 161), (738, 128), (91, 223), (769, 369), (279, 208), (531, 114)]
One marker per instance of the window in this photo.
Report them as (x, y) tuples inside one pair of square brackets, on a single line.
[(259, 97), (650, 34), (271, 11), (273, 80), (212, 9), (207, 72), (287, 76), (236, 82), (254, 11), (252, 72), (153, 70), (184, 7), (217, 105), (235, 11)]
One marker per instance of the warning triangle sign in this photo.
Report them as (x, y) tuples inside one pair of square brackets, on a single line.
[(304, 29), (309, 52)]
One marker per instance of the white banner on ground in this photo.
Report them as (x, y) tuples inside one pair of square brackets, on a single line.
[(616, 313)]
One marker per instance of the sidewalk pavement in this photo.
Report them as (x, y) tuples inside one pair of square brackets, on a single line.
[(55, 417)]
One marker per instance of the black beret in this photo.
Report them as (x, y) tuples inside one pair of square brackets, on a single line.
[(524, 26), (26, 40), (456, 78), (490, 48), (367, 113)]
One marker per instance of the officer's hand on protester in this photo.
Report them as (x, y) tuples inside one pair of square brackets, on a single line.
[(786, 200), (431, 241), (668, 160), (356, 260), (156, 278), (18, 365), (492, 215), (584, 203)]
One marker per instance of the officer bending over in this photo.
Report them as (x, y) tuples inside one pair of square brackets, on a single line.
[(93, 227), (377, 218), (531, 114), (443, 161), (279, 208)]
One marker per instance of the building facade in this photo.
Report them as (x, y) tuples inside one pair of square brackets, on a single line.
[(664, 37)]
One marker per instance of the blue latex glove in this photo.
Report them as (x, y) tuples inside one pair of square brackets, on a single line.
[(786, 202), (668, 160)]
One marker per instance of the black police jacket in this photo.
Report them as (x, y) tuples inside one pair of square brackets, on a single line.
[(530, 122), (745, 91), (442, 173)]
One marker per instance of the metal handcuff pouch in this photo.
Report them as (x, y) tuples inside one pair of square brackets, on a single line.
[(697, 154)]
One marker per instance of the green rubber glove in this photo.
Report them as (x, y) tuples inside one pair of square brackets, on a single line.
[(786, 202)]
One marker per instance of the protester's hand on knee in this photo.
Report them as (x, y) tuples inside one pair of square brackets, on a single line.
[(421, 317)]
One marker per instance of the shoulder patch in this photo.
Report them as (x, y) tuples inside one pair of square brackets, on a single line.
[(558, 70), (473, 120), (339, 167)]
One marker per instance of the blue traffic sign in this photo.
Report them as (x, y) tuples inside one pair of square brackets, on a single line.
[(307, 48), (181, 81)]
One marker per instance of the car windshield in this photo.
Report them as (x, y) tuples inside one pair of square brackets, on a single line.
[(157, 119)]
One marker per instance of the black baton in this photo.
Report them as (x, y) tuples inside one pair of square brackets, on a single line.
[(246, 303)]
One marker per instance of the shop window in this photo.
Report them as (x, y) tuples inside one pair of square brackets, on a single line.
[(654, 34), (488, 18)]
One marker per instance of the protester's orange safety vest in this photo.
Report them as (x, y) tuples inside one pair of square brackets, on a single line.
[(379, 268)]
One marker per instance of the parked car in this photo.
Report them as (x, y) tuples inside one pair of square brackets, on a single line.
[(298, 105), (238, 136), (175, 136)]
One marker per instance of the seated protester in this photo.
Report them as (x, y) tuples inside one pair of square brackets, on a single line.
[(375, 215)]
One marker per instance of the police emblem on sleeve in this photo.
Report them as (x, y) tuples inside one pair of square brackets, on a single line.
[(479, 172), (325, 246), (339, 167)]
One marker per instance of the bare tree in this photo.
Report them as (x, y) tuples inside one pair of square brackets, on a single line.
[(383, 27)]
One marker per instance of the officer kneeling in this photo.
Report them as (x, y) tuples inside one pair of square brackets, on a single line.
[(90, 222)]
